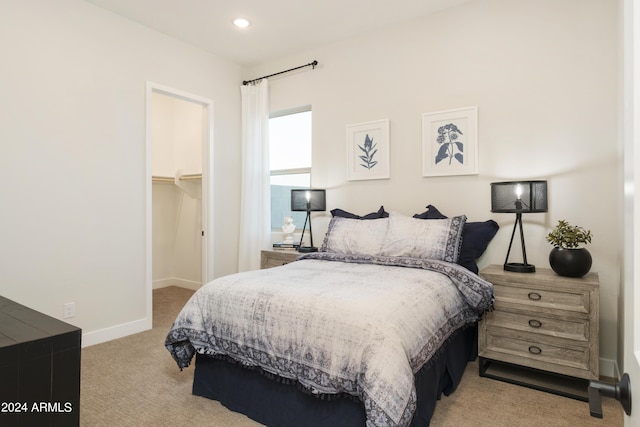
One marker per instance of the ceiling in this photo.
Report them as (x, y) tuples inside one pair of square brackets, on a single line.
[(279, 27)]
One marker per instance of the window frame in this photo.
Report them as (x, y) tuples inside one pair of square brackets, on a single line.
[(293, 171)]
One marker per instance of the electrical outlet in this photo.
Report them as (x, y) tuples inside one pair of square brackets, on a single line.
[(69, 309)]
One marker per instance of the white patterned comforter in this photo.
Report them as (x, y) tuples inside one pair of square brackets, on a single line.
[(360, 325)]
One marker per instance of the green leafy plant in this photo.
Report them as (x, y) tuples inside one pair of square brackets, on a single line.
[(568, 236)]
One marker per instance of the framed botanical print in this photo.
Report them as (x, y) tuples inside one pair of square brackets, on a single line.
[(368, 150), (450, 142)]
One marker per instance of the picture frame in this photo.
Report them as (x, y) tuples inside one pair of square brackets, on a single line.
[(450, 142), (368, 150)]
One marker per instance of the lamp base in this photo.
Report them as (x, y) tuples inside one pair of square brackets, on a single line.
[(519, 267), (306, 249)]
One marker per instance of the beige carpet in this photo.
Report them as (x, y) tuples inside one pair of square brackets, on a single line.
[(134, 381)]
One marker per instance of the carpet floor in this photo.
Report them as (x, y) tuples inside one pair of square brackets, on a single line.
[(133, 381)]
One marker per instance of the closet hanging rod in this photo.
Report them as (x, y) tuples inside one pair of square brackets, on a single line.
[(310, 64), (162, 179)]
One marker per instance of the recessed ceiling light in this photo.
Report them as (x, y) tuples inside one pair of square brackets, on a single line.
[(241, 23)]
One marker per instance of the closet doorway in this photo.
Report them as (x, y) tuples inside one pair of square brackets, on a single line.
[(179, 199)]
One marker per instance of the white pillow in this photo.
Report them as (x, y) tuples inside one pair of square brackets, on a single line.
[(355, 236), (438, 239)]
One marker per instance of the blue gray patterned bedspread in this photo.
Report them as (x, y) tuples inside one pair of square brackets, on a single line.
[(360, 325)]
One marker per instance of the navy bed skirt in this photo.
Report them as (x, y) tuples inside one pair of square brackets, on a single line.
[(278, 403)]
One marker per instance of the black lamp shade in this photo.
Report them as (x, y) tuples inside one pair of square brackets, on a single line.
[(308, 200), (519, 196)]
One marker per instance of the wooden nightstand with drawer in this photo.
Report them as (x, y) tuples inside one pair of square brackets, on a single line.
[(276, 258), (545, 323)]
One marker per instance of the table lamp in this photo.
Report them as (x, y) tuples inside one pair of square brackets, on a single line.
[(310, 201), (519, 197)]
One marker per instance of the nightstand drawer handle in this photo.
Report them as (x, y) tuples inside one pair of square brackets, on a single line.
[(534, 296), (535, 323), (535, 350)]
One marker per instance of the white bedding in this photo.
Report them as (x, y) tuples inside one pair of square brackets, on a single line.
[(361, 325)]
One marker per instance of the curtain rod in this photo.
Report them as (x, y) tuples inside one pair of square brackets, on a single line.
[(310, 64)]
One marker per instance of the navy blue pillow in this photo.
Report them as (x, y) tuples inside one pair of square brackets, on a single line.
[(373, 215), (475, 237), (430, 213)]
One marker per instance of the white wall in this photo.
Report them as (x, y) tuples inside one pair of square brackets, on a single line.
[(72, 158), (544, 75), (177, 127), (177, 241), (165, 217)]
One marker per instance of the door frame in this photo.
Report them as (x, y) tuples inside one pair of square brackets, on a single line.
[(631, 136), (207, 186)]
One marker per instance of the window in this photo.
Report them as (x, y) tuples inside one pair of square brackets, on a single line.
[(290, 160)]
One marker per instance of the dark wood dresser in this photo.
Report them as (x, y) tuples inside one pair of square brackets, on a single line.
[(39, 368)]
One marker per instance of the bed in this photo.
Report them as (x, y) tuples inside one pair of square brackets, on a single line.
[(369, 331)]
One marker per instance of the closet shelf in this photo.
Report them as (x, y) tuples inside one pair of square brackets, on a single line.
[(189, 183), (192, 176), (172, 179)]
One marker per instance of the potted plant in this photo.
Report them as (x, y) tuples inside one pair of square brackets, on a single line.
[(567, 258)]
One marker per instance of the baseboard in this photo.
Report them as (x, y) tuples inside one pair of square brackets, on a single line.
[(136, 326), (609, 368), (163, 283), (176, 281), (115, 332)]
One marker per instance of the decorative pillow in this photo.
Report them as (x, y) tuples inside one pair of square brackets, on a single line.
[(351, 236), (475, 237), (373, 215), (430, 213), (437, 239)]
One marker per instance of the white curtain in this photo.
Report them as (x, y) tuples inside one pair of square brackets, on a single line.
[(255, 207)]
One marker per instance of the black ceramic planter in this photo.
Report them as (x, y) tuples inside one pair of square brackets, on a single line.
[(570, 262)]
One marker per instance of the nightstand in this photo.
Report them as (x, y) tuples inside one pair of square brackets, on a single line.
[(270, 259), (544, 323)]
